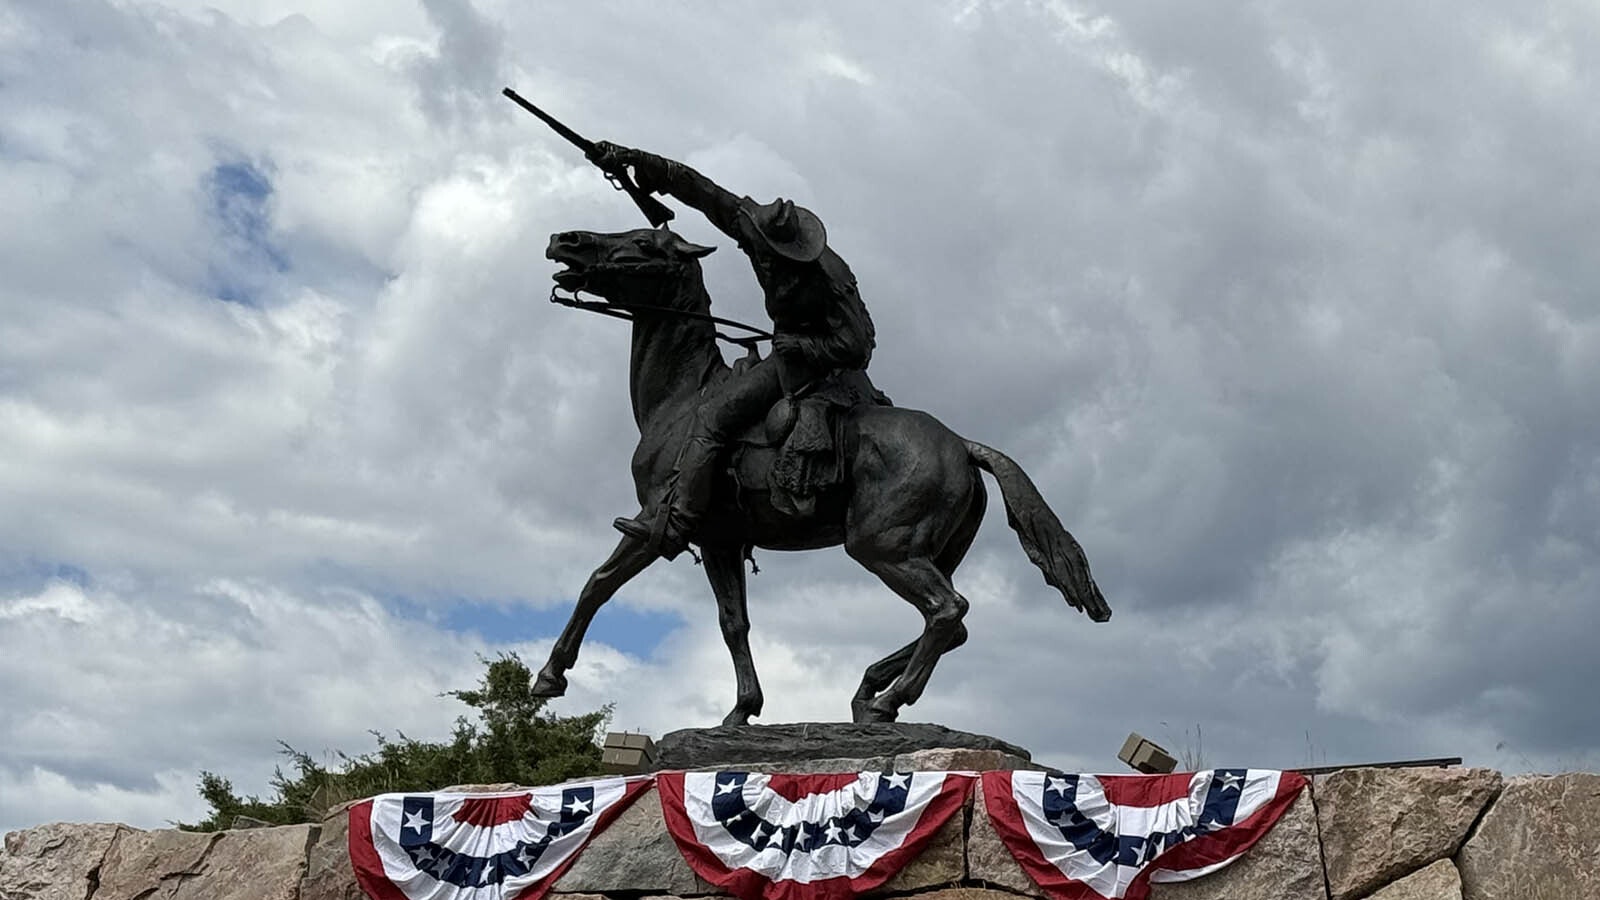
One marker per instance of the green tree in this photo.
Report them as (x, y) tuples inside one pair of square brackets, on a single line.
[(514, 741)]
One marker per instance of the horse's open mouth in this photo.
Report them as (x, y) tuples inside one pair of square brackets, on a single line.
[(571, 279)]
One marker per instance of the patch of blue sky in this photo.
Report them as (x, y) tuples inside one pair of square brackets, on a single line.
[(29, 576), (247, 259), (635, 632)]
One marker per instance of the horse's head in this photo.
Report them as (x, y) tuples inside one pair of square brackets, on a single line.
[(634, 267)]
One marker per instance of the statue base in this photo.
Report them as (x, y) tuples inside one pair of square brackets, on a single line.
[(819, 746)]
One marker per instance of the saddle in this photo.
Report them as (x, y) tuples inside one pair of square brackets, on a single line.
[(807, 434)]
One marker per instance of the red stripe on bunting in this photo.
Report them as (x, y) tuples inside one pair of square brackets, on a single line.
[(487, 812), (1145, 790), (1007, 821), (374, 881), (794, 788), (1203, 851), (1210, 849), (631, 791)]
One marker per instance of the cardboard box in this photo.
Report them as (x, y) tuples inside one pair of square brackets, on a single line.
[(623, 761), (1146, 756), (625, 753), (630, 741)]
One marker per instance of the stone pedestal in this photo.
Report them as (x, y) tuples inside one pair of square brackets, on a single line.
[(802, 746), (1441, 835)]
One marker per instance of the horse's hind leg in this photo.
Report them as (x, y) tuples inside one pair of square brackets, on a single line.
[(882, 673), (725, 570), (955, 549), (919, 582), (630, 558)]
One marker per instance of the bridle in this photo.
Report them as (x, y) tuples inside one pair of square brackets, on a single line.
[(629, 312)]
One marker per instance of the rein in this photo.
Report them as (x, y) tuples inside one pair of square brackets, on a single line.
[(629, 312)]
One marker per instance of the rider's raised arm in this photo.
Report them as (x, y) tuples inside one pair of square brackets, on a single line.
[(658, 174)]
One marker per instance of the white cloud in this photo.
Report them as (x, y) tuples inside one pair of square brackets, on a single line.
[(41, 792), (1290, 314)]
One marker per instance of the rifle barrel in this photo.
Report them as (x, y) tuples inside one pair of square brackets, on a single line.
[(572, 137), (653, 209)]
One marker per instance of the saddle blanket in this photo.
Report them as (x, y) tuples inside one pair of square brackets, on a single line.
[(1107, 837)]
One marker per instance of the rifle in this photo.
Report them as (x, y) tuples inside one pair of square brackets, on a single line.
[(653, 209)]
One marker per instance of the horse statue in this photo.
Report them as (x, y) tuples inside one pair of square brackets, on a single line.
[(907, 505)]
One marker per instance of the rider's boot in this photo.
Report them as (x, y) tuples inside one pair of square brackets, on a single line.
[(673, 537), (669, 529)]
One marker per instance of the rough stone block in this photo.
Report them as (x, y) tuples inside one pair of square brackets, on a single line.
[(817, 766), (967, 893), (634, 855), (54, 862), (988, 860), (1381, 824), (258, 864), (1540, 839), (1284, 865), (943, 861), (151, 863), (329, 875), (1439, 881), (960, 760)]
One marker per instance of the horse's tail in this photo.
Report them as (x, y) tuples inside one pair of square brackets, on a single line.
[(1043, 538)]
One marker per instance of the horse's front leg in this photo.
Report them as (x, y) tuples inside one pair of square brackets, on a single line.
[(725, 570), (630, 558)]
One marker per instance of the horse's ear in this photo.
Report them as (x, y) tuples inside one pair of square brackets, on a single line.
[(691, 249)]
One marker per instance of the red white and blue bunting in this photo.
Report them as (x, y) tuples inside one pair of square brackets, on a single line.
[(448, 846), (805, 837), (823, 837), (1106, 837)]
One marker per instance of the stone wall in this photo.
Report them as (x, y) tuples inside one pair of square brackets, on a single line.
[(1384, 834)]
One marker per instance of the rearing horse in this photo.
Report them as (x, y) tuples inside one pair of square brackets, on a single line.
[(908, 509)]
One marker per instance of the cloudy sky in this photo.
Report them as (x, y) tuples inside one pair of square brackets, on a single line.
[(1291, 309)]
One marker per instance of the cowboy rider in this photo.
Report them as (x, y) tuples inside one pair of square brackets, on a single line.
[(820, 326)]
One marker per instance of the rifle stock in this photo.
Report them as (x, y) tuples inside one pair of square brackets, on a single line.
[(653, 209)]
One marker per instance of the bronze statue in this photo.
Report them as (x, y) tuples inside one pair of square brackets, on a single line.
[(820, 330), (792, 451)]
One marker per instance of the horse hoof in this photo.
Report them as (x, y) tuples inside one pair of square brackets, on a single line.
[(743, 712), (875, 713), (549, 686)]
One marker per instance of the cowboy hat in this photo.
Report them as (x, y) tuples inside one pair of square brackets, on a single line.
[(792, 232)]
